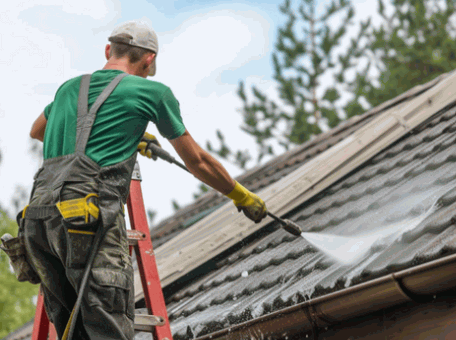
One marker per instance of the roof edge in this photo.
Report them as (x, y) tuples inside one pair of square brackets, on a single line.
[(419, 284)]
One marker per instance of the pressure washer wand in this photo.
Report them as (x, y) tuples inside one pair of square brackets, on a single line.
[(161, 153), (288, 225)]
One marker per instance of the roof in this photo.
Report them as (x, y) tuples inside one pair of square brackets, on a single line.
[(21, 333), (189, 252), (406, 194)]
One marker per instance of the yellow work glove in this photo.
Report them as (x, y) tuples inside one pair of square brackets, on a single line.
[(143, 146), (249, 203)]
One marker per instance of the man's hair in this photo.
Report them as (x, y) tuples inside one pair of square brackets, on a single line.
[(133, 53)]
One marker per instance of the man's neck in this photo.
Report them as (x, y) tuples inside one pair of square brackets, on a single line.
[(122, 65)]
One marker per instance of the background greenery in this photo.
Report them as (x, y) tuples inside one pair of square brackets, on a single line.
[(16, 298)]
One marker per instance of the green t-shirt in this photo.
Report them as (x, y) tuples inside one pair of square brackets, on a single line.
[(120, 122)]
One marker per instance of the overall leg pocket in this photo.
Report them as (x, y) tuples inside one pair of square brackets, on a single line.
[(112, 290)]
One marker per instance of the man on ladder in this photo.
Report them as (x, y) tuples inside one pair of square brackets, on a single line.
[(91, 132)]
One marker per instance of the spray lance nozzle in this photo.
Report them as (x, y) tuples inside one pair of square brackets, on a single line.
[(291, 227), (288, 225)]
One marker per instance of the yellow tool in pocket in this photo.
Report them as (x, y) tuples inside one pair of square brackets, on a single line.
[(79, 207)]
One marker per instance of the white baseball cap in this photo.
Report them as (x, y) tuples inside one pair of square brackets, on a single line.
[(141, 36)]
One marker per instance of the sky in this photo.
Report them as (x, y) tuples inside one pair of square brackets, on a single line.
[(205, 49)]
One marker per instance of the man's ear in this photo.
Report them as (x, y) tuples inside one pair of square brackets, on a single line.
[(107, 51), (150, 58), (150, 64)]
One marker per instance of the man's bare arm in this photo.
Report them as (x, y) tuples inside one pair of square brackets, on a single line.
[(202, 165), (208, 170), (38, 127)]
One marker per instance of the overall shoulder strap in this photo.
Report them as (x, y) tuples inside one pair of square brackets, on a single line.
[(86, 118)]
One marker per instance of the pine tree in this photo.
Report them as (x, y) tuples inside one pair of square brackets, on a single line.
[(151, 215), (202, 189), (306, 51), (413, 45)]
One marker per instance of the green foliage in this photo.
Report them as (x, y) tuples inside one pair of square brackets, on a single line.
[(16, 306), (240, 158), (20, 198), (308, 49), (176, 205), (413, 45), (36, 149), (151, 215), (202, 189)]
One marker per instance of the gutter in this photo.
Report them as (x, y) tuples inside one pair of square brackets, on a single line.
[(418, 284)]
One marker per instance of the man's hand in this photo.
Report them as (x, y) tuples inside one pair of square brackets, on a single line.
[(144, 146), (208, 170), (249, 203)]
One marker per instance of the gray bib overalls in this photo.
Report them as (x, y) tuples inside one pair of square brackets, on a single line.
[(58, 247)]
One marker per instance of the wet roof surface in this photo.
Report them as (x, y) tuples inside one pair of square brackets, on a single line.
[(401, 203)]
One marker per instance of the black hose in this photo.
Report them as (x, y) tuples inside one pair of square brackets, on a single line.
[(77, 305)]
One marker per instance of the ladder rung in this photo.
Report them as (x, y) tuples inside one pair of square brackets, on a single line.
[(146, 323), (134, 236)]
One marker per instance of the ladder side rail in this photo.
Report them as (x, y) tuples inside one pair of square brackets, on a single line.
[(147, 265), (41, 324), (52, 332)]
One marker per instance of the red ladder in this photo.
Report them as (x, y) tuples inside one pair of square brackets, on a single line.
[(139, 238)]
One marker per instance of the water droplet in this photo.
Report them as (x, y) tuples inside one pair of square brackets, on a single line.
[(245, 273)]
